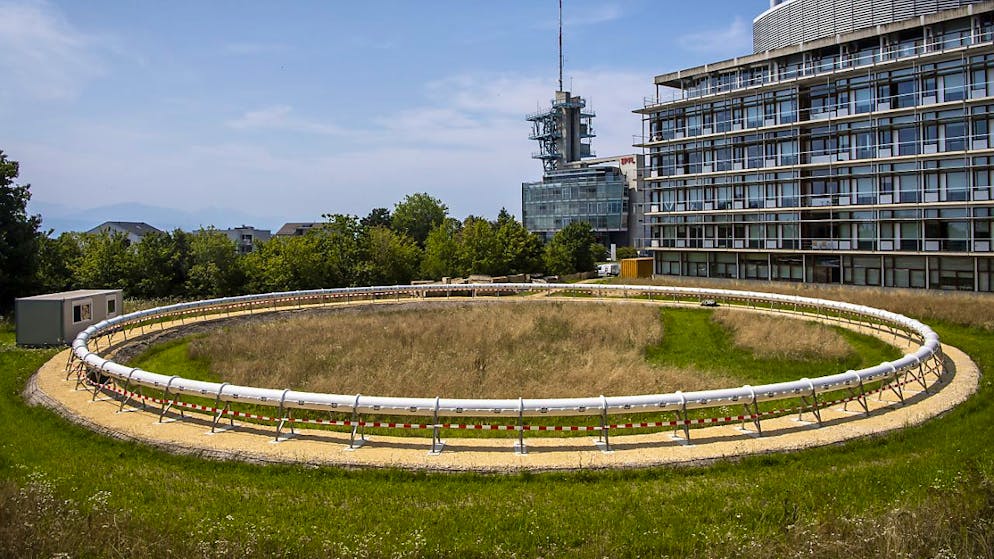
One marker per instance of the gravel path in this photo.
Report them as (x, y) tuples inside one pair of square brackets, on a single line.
[(255, 443)]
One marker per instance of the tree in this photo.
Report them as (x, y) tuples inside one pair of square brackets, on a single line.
[(58, 260), (105, 262), (624, 252), (599, 252), (522, 250), (160, 264), (417, 215), (569, 250), (478, 250), (378, 217), (439, 258), (389, 258), (18, 237), (215, 269), (328, 255)]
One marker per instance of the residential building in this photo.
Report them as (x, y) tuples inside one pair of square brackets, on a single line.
[(246, 236), (853, 147), (133, 230), (295, 229)]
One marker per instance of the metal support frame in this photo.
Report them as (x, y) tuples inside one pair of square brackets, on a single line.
[(356, 419), (80, 371), (221, 413), (69, 361), (98, 386), (166, 402), (752, 409), (519, 447), (681, 415), (861, 397), (285, 416), (894, 386), (605, 436), (127, 392), (72, 364), (436, 442), (918, 373), (940, 359), (814, 405)]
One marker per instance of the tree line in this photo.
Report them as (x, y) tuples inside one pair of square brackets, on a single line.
[(418, 239)]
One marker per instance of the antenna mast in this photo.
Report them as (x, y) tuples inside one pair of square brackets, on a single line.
[(560, 45)]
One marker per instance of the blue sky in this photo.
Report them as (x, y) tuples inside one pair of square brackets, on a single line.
[(224, 112)]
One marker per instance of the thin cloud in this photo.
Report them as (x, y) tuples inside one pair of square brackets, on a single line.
[(280, 117), (732, 40), (601, 13), (42, 55)]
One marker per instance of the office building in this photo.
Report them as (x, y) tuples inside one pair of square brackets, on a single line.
[(575, 185), (853, 147)]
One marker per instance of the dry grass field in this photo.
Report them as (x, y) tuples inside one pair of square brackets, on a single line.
[(543, 349), (778, 337)]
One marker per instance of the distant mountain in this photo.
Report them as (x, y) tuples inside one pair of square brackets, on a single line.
[(62, 217)]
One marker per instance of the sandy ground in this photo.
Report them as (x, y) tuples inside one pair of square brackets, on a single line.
[(190, 434)]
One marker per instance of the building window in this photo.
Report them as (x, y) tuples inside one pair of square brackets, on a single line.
[(81, 312), (111, 306)]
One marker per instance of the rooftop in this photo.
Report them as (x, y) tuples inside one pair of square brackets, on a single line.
[(673, 79), (139, 228), (65, 295)]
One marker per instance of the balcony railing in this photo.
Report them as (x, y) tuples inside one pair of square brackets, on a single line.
[(843, 63)]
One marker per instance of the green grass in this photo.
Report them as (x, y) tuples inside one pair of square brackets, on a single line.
[(693, 340), (923, 492), (173, 358)]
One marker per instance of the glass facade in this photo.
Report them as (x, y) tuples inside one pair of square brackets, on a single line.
[(868, 162), (596, 195)]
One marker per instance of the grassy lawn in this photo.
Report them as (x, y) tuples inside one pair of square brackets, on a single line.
[(923, 492)]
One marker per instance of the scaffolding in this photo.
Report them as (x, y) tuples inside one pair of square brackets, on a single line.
[(563, 131)]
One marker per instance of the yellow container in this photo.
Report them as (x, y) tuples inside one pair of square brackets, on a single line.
[(636, 268)]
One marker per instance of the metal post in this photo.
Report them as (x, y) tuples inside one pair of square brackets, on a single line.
[(861, 398), (98, 385), (894, 386), (80, 371), (521, 428), (127, 390), (436, 442), (282, 418), (604, 428), (166, 402), (355, 425), (681, 416), (753, 412), (814, 403), (70, 362), (219, 414)]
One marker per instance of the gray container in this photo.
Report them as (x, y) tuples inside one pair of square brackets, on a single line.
[(56, 318)]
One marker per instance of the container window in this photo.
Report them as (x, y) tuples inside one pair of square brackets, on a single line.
[(81, 312)]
